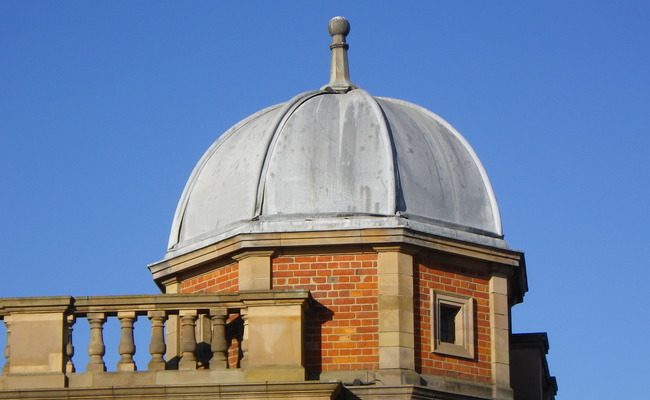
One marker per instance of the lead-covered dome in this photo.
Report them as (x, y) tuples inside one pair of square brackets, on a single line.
[(337, 159)]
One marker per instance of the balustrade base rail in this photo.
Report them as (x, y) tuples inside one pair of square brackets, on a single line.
[(150, 378), (216, 391)]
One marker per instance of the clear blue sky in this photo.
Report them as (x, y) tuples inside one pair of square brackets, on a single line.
[(105, 107)]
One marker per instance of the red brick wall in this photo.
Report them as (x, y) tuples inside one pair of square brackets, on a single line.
[(342, 333), (429, 275), (221, 280)]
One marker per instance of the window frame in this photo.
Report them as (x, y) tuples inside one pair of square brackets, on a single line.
[(463, 345)]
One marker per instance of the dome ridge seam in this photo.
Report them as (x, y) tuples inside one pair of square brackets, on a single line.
[(286, 112)]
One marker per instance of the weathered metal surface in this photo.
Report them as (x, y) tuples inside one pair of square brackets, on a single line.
[(350, 161), (440, 176), (332, 155)]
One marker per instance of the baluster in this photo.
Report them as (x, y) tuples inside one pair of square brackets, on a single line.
[(218, 342), (157, 347), (96, 348), (69, 348), (127, 346), (7, 353), (188, 340), (244, 343)]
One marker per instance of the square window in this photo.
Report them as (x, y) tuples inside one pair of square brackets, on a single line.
[(453, 324)]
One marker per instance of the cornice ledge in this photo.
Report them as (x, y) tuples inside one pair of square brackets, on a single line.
[(379, 238)]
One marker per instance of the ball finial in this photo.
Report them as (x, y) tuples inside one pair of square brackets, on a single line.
[(338, 26)]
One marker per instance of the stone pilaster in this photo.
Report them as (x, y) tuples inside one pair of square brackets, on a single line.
[(396, 320), (37, 338), (172, 285), (499, 334), (254, 269), (273, 341)]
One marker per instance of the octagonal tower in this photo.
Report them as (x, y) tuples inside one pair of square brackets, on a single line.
[(381, 210)]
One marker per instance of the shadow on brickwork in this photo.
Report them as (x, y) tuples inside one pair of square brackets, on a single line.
[(314, 321)]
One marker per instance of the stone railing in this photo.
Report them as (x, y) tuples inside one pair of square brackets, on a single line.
[(254, 336)]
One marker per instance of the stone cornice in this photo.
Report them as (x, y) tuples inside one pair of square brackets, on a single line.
[(374, 237)]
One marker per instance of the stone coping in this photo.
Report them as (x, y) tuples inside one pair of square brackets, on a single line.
[(141, 304)]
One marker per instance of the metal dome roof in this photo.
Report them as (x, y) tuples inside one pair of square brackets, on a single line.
[(337, 158)]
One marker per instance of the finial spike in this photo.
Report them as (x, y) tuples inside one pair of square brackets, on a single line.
[(339, 28)]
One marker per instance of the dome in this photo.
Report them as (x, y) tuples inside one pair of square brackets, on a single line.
[(337, 159)]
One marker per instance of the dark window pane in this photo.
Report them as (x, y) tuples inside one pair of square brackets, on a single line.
[(448, 323)]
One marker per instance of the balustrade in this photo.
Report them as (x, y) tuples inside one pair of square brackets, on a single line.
[(51, 326), (96, 348), (127, 346), (219, 343), (188, 340), (5, 368), (244, 344), (69, 348), (157, 347)]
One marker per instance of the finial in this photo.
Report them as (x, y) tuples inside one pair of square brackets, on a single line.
[(339, 28)]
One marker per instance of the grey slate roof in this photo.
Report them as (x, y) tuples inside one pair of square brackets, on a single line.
[(330, 160)]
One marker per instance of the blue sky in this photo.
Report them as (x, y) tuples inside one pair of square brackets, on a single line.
[(105, 107)]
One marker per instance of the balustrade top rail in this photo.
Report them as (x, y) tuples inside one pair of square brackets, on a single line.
[(80, 306)]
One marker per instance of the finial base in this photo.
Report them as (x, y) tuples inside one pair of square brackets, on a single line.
[(339, 87)]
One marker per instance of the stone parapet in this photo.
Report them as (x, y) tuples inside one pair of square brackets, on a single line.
[(39, 351)]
